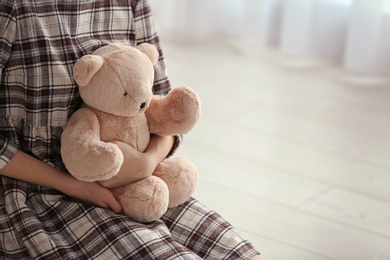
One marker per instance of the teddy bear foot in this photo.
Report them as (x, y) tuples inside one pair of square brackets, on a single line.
[(181, 176), (145, 200)]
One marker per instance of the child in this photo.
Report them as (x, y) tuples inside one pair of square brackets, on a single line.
[(44, 212)]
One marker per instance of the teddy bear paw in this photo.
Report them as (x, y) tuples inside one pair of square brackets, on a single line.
[(187, 105), (97, 164)]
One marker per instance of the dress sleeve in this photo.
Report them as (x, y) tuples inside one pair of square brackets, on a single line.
[(7, 37), (146, 32)]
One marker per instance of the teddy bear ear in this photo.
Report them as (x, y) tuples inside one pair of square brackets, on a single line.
[(150, 50), (85, 68)]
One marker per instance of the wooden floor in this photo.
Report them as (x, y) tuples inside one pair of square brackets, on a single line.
[(297, 159)]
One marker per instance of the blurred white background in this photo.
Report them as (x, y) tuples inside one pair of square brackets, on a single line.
[(293, 145), (352, 33)]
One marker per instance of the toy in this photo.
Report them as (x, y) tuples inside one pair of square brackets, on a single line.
[(115, 83)]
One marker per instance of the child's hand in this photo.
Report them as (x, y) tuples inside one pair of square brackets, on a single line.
[(95, 194)]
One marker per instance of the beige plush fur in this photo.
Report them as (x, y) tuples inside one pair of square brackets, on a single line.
[(115, 83)]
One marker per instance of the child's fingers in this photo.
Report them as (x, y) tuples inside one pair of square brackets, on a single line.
[(114, 204), (116, 207)]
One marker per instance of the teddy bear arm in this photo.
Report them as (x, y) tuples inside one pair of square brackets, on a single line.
[(174, 114), (86, 157)]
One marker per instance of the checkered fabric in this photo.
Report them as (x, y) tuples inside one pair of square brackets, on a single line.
[(40, 40)]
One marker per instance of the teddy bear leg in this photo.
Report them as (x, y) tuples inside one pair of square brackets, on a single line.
[(181, 176), (145, 200)]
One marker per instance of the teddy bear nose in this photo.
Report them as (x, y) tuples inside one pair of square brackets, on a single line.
[(142, 106)]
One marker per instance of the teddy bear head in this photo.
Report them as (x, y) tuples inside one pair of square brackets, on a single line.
[(117, 79)]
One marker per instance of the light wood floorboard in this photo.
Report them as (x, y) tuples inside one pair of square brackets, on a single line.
[(296, 158)]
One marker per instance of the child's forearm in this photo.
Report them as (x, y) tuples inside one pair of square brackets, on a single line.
[(29, 169), (137, 165), (159, 147)]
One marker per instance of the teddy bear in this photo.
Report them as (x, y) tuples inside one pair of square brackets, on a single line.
[(115, 84)]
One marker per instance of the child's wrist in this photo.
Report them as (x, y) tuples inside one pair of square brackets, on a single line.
[(66, 183)]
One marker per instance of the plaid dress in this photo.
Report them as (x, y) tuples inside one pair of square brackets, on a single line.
[(40, 40)]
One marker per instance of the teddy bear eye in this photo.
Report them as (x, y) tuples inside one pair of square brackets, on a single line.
[(125, 94)]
